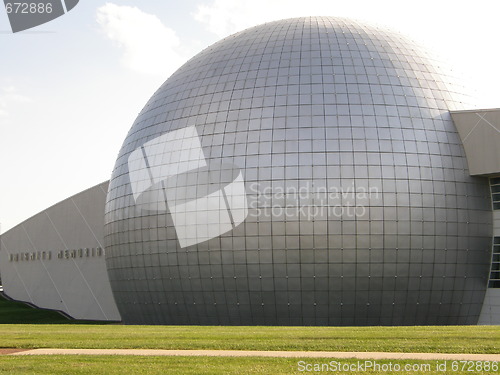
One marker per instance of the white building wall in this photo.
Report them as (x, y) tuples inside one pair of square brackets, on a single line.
[(56, 259)]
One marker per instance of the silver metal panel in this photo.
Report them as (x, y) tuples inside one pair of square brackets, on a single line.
[(361, 210)]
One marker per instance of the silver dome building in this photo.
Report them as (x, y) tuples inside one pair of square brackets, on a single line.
[(302, 172)]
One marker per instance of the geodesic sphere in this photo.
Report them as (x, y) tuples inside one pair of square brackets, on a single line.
[(301, 172)]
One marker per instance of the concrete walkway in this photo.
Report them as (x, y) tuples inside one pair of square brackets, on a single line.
[(255, 353)]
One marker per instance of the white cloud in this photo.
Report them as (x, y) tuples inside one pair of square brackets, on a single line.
[(148, 45), (3, 107), (224, 17), (9, 97)]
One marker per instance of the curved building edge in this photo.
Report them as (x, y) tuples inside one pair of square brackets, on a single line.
[(56, 259)]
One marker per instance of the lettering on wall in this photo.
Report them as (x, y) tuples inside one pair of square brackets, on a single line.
[(26, 256)]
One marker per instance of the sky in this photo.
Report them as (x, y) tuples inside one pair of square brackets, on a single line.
[(70, 89)]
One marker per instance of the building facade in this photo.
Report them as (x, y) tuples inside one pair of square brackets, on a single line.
[(311, 171), (357, 206)]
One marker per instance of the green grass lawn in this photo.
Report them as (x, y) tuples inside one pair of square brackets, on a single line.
[(17, 312), (461, 339), (12, 312), (118, 365)]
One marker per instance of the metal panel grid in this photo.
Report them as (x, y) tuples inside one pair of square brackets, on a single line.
[(318, 104)]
